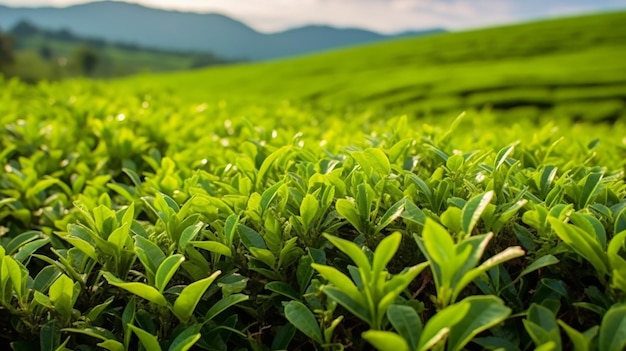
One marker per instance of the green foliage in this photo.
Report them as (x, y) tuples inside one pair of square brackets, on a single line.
[(450, 329), (373, 292), (136, 219), (456, 265)]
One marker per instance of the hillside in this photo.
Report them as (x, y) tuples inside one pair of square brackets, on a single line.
[(224, 36), (567, 67), (55, 54)]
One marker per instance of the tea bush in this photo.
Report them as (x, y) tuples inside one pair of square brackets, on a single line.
[(140, 221)]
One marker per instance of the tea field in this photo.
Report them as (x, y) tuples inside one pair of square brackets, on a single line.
[(570, 68), (179, 213)]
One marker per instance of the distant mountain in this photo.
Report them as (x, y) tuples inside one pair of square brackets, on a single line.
[(224, 36)]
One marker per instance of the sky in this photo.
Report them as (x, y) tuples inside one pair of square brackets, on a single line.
[(386, 16)]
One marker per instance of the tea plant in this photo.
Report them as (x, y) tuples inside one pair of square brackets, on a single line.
[(140, 221)]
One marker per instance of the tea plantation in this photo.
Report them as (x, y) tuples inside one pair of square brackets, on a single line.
[(203, 211)]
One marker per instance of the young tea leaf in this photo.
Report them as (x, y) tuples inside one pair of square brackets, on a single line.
[(373, 160), (583, 244), (149, 341), (213, 246), (186, 302), (61, 295), (140, 289), (385, 251), (166, 270), (308, 210), (386, 341), (473, 209), (392, 213)]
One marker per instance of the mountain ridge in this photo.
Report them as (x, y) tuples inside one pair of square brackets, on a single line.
[(217, 33)]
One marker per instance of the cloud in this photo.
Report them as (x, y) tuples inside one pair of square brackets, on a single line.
[(381, 15)]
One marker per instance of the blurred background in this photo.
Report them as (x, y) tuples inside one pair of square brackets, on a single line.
[(425, 57)]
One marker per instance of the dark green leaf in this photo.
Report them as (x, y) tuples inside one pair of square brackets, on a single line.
[(304, 320), (539, 263), (50, 336), (406, 322), (223, 304), (613, 328), (282, 288), (250, 238)]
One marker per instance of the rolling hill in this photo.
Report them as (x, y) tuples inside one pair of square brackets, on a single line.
[(48, 54), (572, 66), (224, 36)]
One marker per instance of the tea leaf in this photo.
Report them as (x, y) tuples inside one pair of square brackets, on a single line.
[(166, 270), (112, 345), (186, 339), (373, 160), (149, 341), (250, 238), (539, 263), (442, 320), (213, 246), (140, 289), (283, 289), (269, 195), (223, 304), (386, 341), (50, 336), (473, 209), (407, 323), (580, 341), (188, 235), (355, 306), (350, 249), (385, 251), (582, 244), (484, 313), (392, 213), (149, 254), (186, 302), (348, 210), (20, 241), (308, 210), (302, 318), (61, 295), (269, 162), (613, 328)]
